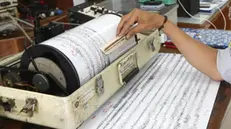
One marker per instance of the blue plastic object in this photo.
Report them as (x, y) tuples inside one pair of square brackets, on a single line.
[(59, 12)]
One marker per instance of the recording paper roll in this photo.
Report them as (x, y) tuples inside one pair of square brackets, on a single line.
[(78, 50)]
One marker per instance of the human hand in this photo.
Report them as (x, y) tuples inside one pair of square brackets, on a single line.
[(137, 21)]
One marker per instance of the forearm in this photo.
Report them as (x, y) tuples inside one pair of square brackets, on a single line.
[(198, 54)]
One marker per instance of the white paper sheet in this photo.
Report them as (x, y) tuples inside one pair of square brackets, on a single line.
[(77, 2), (170, 95), (82, 45)]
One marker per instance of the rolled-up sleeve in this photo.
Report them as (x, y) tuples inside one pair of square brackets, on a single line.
[(224, 64)]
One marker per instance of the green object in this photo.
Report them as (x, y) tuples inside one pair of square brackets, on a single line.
[(166, 2), (142, 1), (169, 2)]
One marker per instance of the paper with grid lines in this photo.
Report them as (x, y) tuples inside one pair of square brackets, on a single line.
[(171, 94)]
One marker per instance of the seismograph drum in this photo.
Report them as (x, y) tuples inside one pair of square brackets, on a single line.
[(77, 52)]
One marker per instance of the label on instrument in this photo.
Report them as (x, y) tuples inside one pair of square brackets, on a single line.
[(84, 98), (126, 66), (87, 96)]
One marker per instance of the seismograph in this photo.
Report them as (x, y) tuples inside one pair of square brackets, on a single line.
[(81, 45)]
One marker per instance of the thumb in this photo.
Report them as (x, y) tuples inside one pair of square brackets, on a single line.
[(134, 30)]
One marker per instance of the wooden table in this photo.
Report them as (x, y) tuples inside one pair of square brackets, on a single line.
[(216, 18)]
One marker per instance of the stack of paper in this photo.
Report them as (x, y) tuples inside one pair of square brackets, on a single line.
[(210, 9), (171, 94)]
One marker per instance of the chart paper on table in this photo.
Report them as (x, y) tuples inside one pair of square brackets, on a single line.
[(171, 94)]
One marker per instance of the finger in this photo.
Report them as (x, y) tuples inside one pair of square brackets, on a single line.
[(135, 30), (124, 20), (121, 24), (127, 26)]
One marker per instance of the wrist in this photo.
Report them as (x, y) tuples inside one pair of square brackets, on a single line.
[(160, 20)]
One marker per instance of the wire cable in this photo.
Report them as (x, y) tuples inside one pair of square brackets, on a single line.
[(24, 32), (195, 17), (22, 21), (65, 23)]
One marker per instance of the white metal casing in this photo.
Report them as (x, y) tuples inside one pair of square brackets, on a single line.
[(69, 112)]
